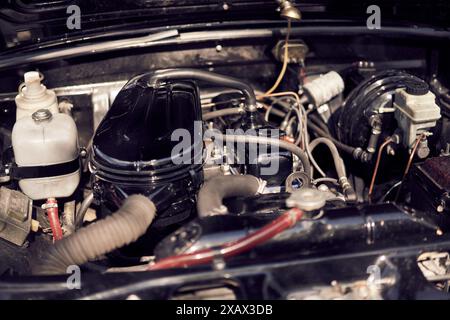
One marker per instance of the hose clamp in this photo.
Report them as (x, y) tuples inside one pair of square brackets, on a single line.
[(46, 206), (261, 185)]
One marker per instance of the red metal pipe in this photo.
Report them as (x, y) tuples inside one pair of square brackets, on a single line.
[(232, 248)]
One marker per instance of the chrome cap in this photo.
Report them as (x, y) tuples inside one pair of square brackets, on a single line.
[(41, 115)]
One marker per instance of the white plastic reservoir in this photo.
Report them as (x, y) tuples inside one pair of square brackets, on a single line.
[(33, 95), (47, 144)]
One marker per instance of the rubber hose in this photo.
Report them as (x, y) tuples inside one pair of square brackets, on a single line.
[(211, 195), (194, 74), (338, 162), (221, 113), (115, 231), (272, 141), (346, 148), (79, 218)]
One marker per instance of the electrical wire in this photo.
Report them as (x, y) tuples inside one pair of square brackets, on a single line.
[(267, 114), (389, 191), (309, 153), (283, 102), (274, 111), (319, 122), (293, 94), (305, 137), (300, 121), (377, 164), (285, 60)]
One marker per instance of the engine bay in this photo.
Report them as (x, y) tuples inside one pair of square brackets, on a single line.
[(219, 161)]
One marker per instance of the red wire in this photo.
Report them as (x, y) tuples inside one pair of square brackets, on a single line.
[(53, 218), (232, 248)]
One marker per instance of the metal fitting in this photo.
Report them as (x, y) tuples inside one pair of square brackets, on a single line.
[(41, 115)]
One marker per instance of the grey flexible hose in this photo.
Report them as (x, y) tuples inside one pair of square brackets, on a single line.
[(340, 167), (272, 141), (310, 155), (83, 209), (194, 74), (115, 231), (338, 162), (346, 148), (222, 113), (211, 195)]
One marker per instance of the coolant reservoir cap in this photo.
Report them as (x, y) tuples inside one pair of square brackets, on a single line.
[(307, 199), (417, 88), (41, 115)]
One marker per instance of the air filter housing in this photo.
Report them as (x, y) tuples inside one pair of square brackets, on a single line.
[(132, 147)]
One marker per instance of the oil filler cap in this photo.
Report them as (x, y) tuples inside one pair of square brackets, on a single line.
[(307, 199)]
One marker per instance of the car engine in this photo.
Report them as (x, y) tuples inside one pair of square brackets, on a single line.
[(292, 162)]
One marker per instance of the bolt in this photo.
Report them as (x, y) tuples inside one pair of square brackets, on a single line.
[(390, 150), (446, 151), (423, 150), (225, 6), (83, 152), (219, 48)]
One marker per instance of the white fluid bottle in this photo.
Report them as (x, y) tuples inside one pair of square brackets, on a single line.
[(33, 96), (46, 154)]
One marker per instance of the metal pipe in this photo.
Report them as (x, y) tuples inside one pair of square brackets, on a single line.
[(83, 209), (222, 113), (194, 74), (271, 141)]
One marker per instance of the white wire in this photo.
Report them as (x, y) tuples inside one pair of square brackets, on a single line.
[(302, 114), (266, 116), (306, 144)]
